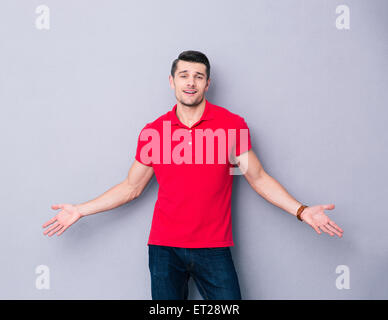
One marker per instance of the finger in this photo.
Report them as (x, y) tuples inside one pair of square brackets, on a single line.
[(335, 225), (328, 206), (51, 228), (316, 229), (324, 229), (332, 229), (57, 206), (62, 230), (55, 230), (52, 220)]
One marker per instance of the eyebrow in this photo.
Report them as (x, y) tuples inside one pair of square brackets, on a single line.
[(186, 71)]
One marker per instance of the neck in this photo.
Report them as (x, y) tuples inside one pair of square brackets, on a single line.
[(189, 115)]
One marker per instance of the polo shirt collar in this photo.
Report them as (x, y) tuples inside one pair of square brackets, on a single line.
[(208, 114)]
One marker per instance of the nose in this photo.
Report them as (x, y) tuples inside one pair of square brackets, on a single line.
[(190, 81)]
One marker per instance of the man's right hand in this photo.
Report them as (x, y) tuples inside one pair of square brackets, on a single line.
[(138, 177), (64, 219)]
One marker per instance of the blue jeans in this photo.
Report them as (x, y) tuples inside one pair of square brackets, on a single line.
[(212, 270)]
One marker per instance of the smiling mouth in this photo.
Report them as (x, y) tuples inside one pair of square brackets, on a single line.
[(190, 92)]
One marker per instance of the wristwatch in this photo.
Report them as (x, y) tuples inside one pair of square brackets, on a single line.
[(300, 210)]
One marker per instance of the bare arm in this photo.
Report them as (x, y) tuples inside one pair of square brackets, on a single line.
[(264, 184), (138, 177), (271, 190)]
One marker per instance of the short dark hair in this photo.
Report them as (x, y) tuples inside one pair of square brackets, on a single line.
[(192, 56)]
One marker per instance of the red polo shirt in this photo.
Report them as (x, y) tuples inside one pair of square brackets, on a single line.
[(193, 209)]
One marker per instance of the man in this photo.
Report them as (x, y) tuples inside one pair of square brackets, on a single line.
[(191, 228)]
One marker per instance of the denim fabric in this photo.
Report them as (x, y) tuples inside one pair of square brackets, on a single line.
[(212, 270)]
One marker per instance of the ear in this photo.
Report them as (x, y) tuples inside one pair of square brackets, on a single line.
[(171, 80), (207, 84)]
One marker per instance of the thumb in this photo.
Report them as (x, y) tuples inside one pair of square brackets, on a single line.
[(57, 206), (328, 206)]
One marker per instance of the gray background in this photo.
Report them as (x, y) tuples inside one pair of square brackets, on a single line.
[(74, 99)]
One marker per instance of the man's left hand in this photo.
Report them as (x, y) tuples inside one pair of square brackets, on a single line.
[(315, 217)]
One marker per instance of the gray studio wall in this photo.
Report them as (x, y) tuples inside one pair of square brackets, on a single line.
[(75, 97)]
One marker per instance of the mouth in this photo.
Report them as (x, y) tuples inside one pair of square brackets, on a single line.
[(190, 92)]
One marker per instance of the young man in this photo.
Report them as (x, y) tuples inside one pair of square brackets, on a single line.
[(192, 150)]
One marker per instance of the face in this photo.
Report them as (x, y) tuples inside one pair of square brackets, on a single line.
[(189, 83)]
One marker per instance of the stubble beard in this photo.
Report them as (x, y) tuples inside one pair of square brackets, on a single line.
[(195, 103)]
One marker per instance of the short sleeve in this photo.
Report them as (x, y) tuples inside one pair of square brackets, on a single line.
[(142, 153), (243, 137)]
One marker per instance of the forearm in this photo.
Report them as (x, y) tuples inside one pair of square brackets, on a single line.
[(113, 198), (271, 190)]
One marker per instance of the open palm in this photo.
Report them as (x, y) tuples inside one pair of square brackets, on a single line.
[(64, 219), (315, 217)]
